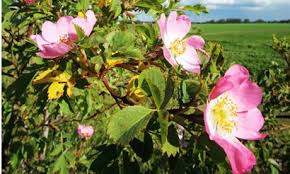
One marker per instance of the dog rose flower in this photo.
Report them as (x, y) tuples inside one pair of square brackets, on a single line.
[(178, 50), (85, 131), (58, 38), (232, 113)]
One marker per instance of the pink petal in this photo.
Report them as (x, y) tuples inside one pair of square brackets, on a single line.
[(249, 124), (206, 118), (86, 24), (196, 41), (221, 86), (54, 50), (65, 26), (49, 32), (189, 60), (247, 96), (39, 40), (237, 74), (177, 26), (162, 25), (241, 159), (169, 57)]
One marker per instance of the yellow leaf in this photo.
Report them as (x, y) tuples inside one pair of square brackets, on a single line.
[(62, 77), (45, 75), (113, 62), (69, 89), (55, 90)]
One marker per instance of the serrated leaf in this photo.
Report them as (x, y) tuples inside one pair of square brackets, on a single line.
[(153, 83), (126, 123), (61, 165), (171, 145)]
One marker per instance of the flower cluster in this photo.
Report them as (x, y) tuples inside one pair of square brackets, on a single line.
[(231, 110)]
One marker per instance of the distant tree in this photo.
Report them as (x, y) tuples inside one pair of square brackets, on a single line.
[(246, 21)]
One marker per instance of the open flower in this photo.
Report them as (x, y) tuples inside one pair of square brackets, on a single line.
[(86, 21), (177, 50), (232, 113), (85, 131), (58, 38)]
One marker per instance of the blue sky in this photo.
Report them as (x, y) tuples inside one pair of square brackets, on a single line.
[(251, 9)]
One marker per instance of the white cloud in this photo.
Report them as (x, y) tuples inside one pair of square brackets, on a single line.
[(244, 4)]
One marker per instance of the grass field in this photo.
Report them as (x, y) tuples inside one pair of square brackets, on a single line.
[(247, 44)]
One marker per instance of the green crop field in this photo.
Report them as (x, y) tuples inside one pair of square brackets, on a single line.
[(247, 44)]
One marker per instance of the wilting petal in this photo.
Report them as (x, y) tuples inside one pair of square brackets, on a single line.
[(162, 25), (49, 32), (196, 41), (177, 26), (86, 24), (54, 50), (169, 57), (39, 40), (247, 96), (241, 159), (248, 125), (189, 60)]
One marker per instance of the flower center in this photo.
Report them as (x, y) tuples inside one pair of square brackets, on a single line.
[(224, 112), (178, 47), (65, 39)]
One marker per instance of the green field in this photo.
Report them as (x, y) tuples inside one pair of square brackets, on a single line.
[(247, 44)]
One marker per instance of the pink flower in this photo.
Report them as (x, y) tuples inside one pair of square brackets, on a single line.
[(232, 113), (58, 38), (177, 50), (85, 131), (86, 22), (29, 2)]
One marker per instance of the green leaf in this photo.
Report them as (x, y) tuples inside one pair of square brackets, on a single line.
[(57, 150), (116, 7), (197, 9), (93, 41), (152, 82), (65, 107), (80, 32), (149, 4), (168, 92), (61, 165), (143, 149), (189, 88), (83, 5), (125, 124)]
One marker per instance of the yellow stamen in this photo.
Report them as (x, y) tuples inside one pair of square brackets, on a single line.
[(178, 47), (224, 113)]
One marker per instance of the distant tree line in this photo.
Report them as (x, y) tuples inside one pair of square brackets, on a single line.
[(237, 20)]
